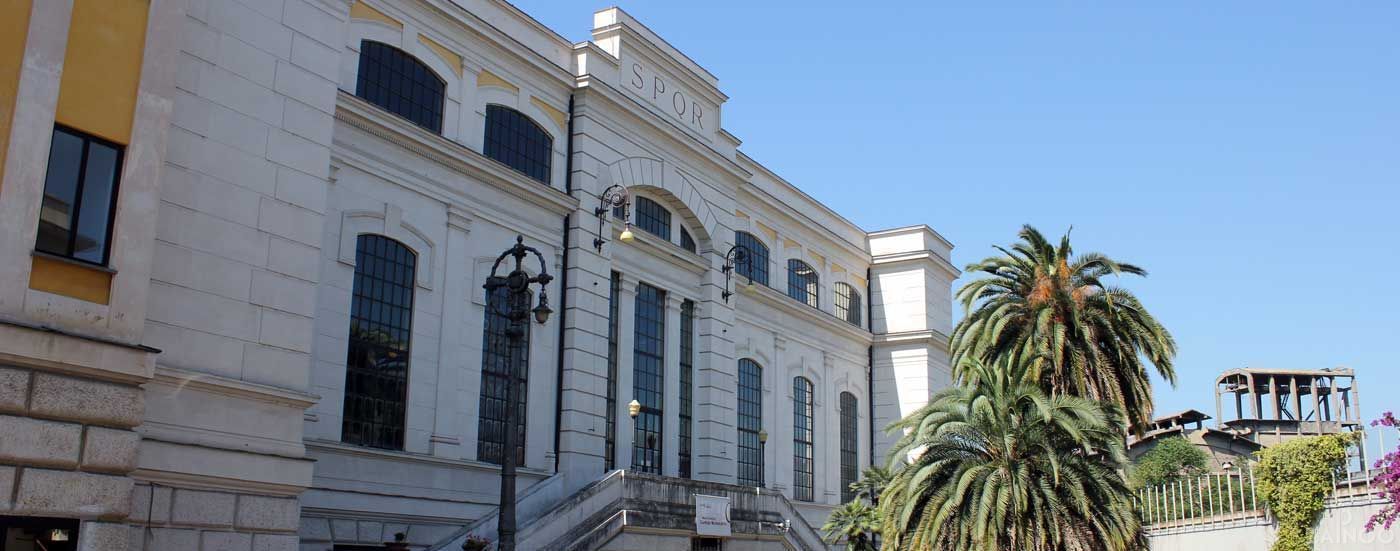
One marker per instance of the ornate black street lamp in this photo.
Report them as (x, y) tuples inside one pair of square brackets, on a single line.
[(517, 311), (614, 197), (737, 255)]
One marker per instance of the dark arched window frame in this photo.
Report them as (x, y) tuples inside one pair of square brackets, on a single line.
[(803, 283), (652, 217), (847, 304), (381, 328), (850, 446), (518, 141), (756, 267), (498, 360), (395, 80), (750, 422), (803, 450)]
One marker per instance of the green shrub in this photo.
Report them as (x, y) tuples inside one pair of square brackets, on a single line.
[(1171, 460), (1294, 480)]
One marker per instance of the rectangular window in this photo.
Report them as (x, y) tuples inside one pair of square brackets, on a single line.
[(750, 423), (38, 534), (648, 378), (501, 356), (706, 544), (609, 435), (687, 361), (381, 322), (802, 448), (849, 445), (80, 191)]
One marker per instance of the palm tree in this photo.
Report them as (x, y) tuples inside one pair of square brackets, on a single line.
[(872, 483), (997, 464), (1043, 302), (856, 523)]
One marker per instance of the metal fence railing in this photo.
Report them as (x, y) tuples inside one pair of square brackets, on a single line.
[(1231, 496)]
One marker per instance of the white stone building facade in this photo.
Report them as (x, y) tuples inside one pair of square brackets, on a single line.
[(285, 343)]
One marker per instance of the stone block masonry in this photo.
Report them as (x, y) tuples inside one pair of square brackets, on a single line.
[(173, 518), (67, 445)]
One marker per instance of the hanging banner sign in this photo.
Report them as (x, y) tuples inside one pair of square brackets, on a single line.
[(711, 515)]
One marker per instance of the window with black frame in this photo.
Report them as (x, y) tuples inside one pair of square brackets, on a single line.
[(802, 448), (381, 324), (610, 434), (687, 361), (652, 217), (750, 423), (755, 267), (687, 242), (847, 304), (395, 80), (498, 360), (802, 282), (516, 140), (80, 192), (648, 378), (850, 442)]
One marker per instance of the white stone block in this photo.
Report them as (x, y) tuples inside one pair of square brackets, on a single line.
[(247, 61), (226, 541), (280, 292), (274, 542), (196, 508), (313, 20), (232, 128), (240, 94), (206, 233), (7, 487), (196, 350), (183, 307), (68, 493), (316, 57), (305, 86), (293, 259), (251, 27), (14, 389), (299, 188), (156, 508), (201, 271), (289, 221), (276, 367), (268, 513), (88, 401), (284, 330), (170, 538), (110, 450), (297, 152), (103, 536)]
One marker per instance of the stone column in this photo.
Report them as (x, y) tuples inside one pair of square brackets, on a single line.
[(827, 437), (626, 342), (671, 388), (445, 440), (777, 419)]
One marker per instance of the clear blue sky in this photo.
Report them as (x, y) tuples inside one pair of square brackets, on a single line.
[(1246, 153)]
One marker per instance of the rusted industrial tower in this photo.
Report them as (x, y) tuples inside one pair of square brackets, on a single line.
[(1274, 405)]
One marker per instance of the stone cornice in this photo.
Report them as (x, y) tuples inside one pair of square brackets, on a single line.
[(224, 386), (787, 305), (926, 256), (927, 336), (50, 349), (338, 448)]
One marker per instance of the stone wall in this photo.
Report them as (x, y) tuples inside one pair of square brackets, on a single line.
[(1341, 528)]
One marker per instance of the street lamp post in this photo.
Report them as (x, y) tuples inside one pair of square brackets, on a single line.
[(517, 300)]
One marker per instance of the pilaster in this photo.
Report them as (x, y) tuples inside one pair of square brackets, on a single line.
[(445, 440)]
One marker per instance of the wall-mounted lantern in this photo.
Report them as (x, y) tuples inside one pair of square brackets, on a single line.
[(738, 255), (614, 197)]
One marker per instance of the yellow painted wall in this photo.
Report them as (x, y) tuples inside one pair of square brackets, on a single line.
[(70, 280), (102, 67), (359, 10), (14, 29)]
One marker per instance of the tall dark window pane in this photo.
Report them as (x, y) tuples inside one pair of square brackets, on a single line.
[(610, 436), (398, 82), (802, 468), (850, 442), (648, 378), (687, 361), (514, 139), (653, 217), (687, 242), (847, 303), (756, 268), (75, 218), (381, 323), (802, 282), (750, 423), (499, 359)]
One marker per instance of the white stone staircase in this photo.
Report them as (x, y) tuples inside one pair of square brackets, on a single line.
[(588, 519)]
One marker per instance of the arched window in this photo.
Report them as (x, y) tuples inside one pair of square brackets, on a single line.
[(376, 365), (802, 468), (750, 423), (756, 268), (653, 218), (687, 242), (649, 378), (847, 303), (850, 442), (499, 362), (398, 82), (514, 139), (802, 282)]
